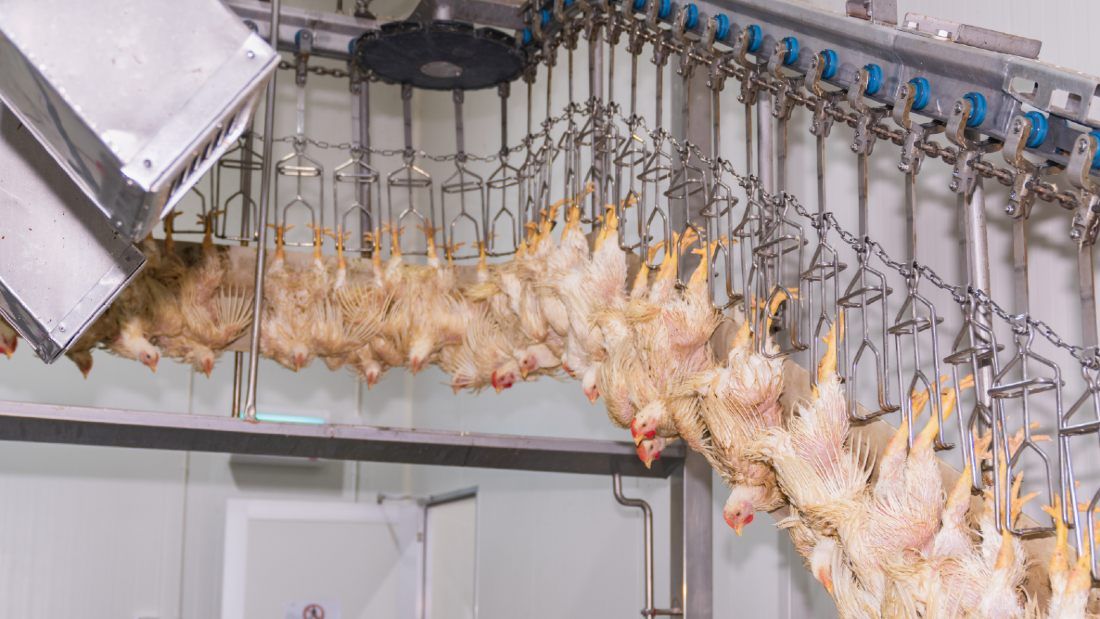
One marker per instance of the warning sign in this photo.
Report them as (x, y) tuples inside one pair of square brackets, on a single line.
[(313, 609)]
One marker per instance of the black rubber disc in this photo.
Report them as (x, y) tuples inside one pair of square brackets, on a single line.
[(442, 55)]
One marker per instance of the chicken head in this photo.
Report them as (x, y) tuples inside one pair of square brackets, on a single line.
[(649, 450), (740, 508)]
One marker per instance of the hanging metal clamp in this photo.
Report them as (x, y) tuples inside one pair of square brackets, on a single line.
[(965, 115), (821, 123), (569, 31), (592, 26), (782, 101), (1087, 216), (614, 24), (303, 41), (866, 116), (716, 70), (1021, 197), (679, 32), (750, 89), (916, 134)]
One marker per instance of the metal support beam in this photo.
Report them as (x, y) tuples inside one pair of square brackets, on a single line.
[(998, 66), (332, 32), (44, 423), (692, 548)]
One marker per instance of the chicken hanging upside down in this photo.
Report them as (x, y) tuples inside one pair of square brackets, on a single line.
[(884, 538)]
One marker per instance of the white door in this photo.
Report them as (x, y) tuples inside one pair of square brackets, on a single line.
[(321, 560), (450, 556)]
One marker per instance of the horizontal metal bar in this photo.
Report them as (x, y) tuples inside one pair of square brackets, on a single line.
[(76, 425), (953, 69), (333, 33), (444, 498)]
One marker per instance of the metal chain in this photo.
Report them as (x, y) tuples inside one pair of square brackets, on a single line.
[(1089, 357), (962, 295), (318, 70)]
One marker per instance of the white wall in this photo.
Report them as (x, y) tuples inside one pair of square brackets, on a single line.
[(94, 532)]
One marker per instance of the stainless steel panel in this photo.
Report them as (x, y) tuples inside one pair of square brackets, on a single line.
[(691, 573), (21, 421), (135, 99), (61, 263)]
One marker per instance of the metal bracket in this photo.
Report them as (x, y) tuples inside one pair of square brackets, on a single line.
[(1086, 220), (1021, 198), (864, 140), (912, 153), (822, 121), (749, 87), (974, 36), (782, 102), (877, 11), (964, 177)]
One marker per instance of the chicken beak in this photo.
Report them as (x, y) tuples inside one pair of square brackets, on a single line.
[(207, 367), (415, 364), (151, 362), (638, 437), (826, 580), (592, 395), (523, 371), (738, 528), (496, 383), (646, 456), (8, 347)]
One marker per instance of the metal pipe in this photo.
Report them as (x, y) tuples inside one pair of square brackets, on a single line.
[(1086, 273), (781, 141), (765, 143), (977, 238), (647, 537), (261, 224)]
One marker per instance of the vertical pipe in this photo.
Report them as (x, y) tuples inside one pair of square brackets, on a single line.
[(748, 140), (863, 180), (647, 537), (911, 215), (1086, 271), (1021, 286), (977, 239), (261, 225), (781, 154), (765, 143), (820, 140)]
